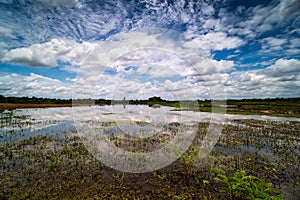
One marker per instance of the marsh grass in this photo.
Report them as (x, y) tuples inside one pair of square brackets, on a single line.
[(252, 159)]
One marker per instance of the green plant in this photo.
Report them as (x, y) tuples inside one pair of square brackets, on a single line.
[(119, 178), (178, 197), (160, 176), (237, 183), (189, 160), (53, 163), (29, 194)]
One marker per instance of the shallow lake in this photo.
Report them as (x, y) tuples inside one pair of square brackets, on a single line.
[(131, 119)]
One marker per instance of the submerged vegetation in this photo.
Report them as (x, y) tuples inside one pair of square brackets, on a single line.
[(62, 168)]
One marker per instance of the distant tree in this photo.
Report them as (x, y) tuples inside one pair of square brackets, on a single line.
[(155, 99), (2, 99)]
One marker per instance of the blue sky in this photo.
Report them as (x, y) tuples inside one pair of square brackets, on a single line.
[(174, 49)]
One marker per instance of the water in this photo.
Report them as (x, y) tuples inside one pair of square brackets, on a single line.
[(132, 120)]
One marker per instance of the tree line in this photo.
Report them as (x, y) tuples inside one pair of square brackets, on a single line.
[(149, 101), (34, 100)]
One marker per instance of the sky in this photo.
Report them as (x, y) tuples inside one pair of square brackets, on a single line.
[(142, 48)]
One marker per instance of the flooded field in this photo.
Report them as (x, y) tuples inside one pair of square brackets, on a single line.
[(78, 153)]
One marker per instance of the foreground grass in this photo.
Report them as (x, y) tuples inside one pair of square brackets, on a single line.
[(45, 167), (35, 170)]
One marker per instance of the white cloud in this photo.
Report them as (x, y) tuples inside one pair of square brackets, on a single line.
[(293, 48), (105, 53), (208, 66), (282, 46), (284, 67), (6, 33), (213, 24), (272, 43), (3, 46), (282, 79), (47, 54), (153, 56), (260, 19), (33, 85), (38, 55), (215, 41), (294, 43)]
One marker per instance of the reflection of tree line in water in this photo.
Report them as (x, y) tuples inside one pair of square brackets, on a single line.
[(285, 107)]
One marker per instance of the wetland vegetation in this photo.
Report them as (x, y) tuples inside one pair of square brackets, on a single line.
[(282, 107), (42, 157)]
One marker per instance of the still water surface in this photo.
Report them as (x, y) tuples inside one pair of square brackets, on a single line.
[(133, 119)]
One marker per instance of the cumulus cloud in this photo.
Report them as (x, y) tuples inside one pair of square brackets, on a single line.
[(282, 79), (33, 85), (278, 80), (209, 66), (38, 55), (215, 41), (131, 48), (284, 67), (139, 60), (144, 65), (47, 54)]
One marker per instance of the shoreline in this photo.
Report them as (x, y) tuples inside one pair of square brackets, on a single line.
[(11, 106)]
